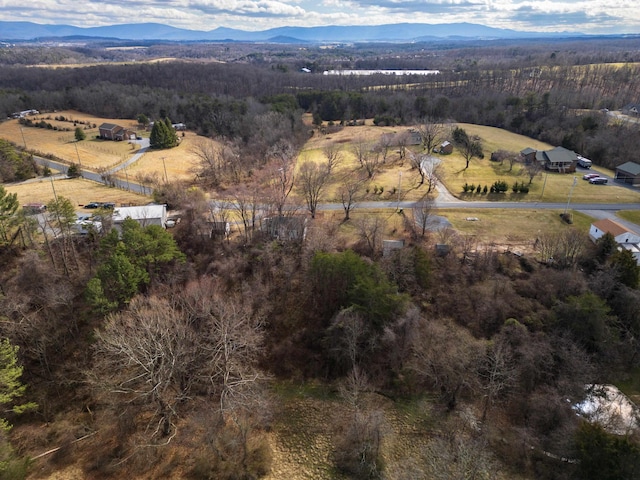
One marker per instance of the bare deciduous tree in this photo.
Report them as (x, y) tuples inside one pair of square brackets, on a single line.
[(370, 230), (422, 211), (370, 162), (247, 205), (431, 132), (350, 192), (360, 148), (384, 145), (497, 373), (402, 140), (159, 350), (211, 162), (533, 169), (333, 154), (312, 179), (457, 454), (445, 356), (281, 174), (147, 353)]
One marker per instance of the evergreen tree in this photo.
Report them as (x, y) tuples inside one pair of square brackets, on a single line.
[(626, 267), (8, 209), (131, 260), (79, 134), (10, 389), (157, 139)]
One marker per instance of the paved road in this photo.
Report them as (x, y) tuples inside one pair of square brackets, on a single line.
[(444, 200), (97, 177)]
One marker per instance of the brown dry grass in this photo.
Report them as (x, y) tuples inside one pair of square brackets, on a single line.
[(179, 161), (394, 174), (77, 190), (91, 152)]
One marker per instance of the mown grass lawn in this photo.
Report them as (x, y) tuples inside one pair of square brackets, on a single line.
[(519, 226), (546, 186), (630, 215)]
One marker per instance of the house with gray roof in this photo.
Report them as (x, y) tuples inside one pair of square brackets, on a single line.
[(558, 159)]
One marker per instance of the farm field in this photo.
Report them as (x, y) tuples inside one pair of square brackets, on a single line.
[(77, 190), (91, 153)]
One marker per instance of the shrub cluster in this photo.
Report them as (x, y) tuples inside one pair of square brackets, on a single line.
[(520, 188)]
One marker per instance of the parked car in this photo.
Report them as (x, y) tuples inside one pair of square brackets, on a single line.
[(589, 176), (93, 205), (109, 205), (598, 180)]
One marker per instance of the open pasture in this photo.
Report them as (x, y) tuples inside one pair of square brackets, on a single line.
[(177, 163), (91, 153), (79, 191)]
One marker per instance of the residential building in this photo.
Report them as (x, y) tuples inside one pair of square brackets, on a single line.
[(624, 237), (145, 215)]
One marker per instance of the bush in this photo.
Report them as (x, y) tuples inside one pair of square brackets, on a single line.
[(499, 186)]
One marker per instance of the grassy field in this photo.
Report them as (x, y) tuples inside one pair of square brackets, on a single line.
[(91, 152), (178, 162), (77, 190), (517, 227), (556, 186), (393, 175)]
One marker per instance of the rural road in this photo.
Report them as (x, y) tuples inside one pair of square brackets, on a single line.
[(444, 199), (96, 177)]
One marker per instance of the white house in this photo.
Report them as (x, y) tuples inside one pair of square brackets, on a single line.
[(624, 237), (144, 215)]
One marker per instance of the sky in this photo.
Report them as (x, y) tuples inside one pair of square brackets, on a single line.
[(585, 16)]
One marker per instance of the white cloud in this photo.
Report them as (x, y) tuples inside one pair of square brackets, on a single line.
[(588, 16)]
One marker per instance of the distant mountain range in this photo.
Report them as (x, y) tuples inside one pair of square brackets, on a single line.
[(401, 32)]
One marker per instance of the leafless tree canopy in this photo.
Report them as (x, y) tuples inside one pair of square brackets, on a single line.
[(163, 352)]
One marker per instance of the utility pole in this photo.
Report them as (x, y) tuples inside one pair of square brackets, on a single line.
[(544, 184), (78, 155), (575, 182), (166, 178), (399, 188), (23, 140)]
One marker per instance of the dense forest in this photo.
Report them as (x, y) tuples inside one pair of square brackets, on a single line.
[(153, 353)]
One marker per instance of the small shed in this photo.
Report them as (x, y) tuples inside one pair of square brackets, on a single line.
[(628, 173), (390, 246), (446, 148), (286, 228)]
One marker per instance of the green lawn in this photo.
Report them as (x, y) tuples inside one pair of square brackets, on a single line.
[(630, 215), (513, 226), (396, 173), (546, 186)]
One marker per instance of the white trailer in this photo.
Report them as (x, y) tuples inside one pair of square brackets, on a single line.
[(584, 162)]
